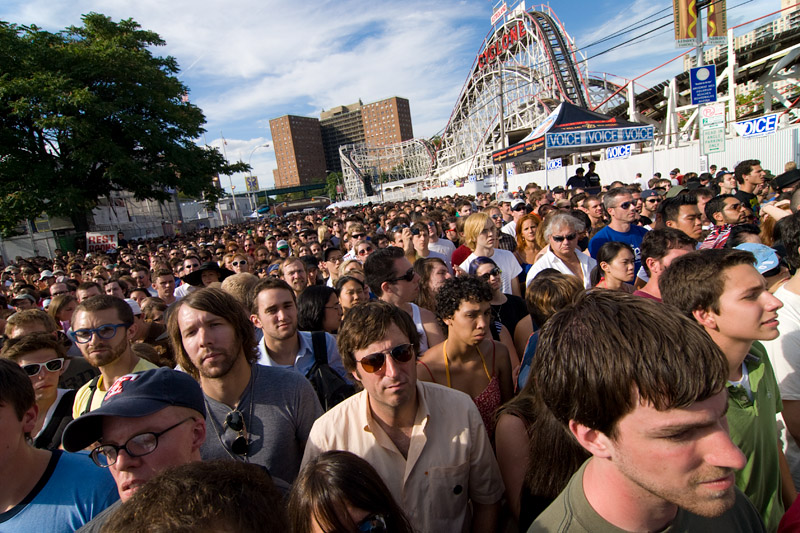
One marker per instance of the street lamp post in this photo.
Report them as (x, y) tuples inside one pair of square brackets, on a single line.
[(250, 172)]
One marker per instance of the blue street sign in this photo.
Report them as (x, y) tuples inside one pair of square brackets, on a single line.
[(703, 81)]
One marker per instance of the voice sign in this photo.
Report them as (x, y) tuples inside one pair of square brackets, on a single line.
[(618, 152), (757, 127)]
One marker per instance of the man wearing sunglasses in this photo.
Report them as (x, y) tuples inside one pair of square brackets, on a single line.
[(619, 204), (102, 327), (357, 233), (157, 418), (406, 429), (392, 279), (650, 201), (41, 490), (517, 212)]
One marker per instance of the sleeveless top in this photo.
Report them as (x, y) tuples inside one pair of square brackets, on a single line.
[(489, 400), (417, 318)]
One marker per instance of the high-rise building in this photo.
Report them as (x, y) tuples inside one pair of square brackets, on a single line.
[(306, 148), (298, 150)]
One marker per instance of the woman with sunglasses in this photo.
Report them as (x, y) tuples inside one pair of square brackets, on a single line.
[(506, 308), (469, 359), (339, 491), (44, 360), (239, 263), (480, 236), (615, 267), (563, 253)]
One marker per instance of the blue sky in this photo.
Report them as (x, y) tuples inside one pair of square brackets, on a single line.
[(248, 61)]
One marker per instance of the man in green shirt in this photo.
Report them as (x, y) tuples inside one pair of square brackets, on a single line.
[(724, 293), (651, 413)]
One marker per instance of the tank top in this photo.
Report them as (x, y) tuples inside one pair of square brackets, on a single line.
[(416, 316)]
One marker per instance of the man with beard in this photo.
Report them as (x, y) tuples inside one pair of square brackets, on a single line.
[(102, 327), (293, 271), (274, 312), (655, 425), (255, 413)]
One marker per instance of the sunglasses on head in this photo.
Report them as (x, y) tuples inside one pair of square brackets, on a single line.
[(408, 276), (493, 272), (237, 444), (562, 238), (373, 362), (53, 365)]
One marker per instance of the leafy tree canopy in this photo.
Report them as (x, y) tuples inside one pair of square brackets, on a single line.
[(90, 110)]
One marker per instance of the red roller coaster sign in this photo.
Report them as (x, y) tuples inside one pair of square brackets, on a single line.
[(501, 45)]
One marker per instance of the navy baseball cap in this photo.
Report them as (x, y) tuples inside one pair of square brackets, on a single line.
[(132, 396)]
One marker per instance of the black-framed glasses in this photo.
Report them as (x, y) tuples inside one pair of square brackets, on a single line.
[(373, 362), (625, 205), (53, 365), (408, 276), (493, 272), (562, 238), (238, 263), (106, 331), (237, 444), (374, 523), (139, 445)]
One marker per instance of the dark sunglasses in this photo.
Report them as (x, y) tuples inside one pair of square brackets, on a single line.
[(373, 362), (358, 235), (493, 272), (562, 238), (408, 276), (653, 200), (625, 205), (415, 232), (53, 365), (365, 251), (374, 523), (238, 444)]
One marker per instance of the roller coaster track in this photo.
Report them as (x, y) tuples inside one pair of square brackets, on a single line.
[(560, 58)]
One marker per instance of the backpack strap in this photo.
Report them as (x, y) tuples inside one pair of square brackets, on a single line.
[(320, 345), (92, 389)]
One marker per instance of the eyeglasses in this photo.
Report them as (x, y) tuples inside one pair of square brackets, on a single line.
[(139, 445), (518, 207), (365, 251), (408, 276), (374, 523), (106, 331), (493, 272), (625, 205), (358, 235), (238, 263), (337, 307), (562, 238), (495, 217), (53, 365), (373, 362), (238, 444), (653, 200)]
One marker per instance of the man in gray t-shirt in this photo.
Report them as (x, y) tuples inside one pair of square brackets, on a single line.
[(255, 413)]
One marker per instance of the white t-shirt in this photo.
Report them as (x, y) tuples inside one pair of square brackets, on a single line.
[(505, 260), (784, 353), (444, 247), (510, 228), (551, 260)]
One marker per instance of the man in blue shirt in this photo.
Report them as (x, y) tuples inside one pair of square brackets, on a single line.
[(42, 490), (619, 204)]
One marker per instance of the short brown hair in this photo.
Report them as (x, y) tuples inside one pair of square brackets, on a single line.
[(632, 358), (31, 316), (203, 496), (103, 302), (367, 323), (266, 284), (219, 303), (695, 281), (16, 389), (239, 286), (16, 349), (550, 292)]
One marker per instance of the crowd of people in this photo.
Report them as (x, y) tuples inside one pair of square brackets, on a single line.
[(589, 358)]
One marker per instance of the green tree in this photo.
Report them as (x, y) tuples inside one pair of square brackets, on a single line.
[(334, 179), (90, 110)]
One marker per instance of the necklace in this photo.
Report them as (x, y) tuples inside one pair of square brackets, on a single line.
[(253, 370)]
